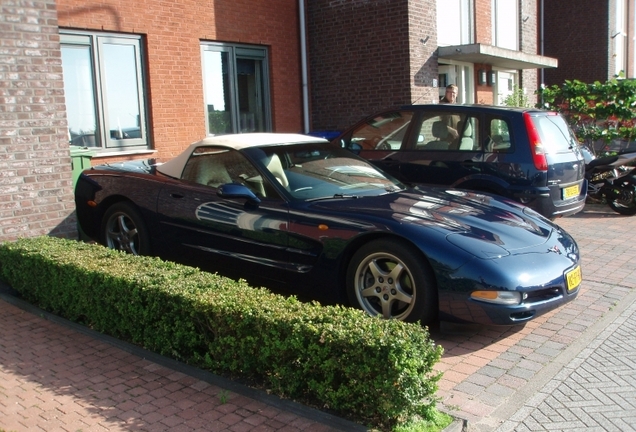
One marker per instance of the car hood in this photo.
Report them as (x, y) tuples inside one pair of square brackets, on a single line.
[(490, 225)]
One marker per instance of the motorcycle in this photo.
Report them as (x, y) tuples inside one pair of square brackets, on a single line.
[(610, 179)]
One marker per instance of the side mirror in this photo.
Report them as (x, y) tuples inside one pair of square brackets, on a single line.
[(354, 148), (236, 190)]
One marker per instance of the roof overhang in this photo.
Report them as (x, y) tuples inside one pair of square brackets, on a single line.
[(495, 56)]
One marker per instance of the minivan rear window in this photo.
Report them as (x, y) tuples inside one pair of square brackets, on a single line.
[(556, 136)]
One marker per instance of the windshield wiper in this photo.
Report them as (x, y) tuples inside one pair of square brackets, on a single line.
[(338, 195)]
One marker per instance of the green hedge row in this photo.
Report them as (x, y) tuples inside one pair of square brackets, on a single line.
[(379, 372)]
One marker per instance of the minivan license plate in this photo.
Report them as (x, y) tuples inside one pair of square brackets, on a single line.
[(570, 191), (573, 278)]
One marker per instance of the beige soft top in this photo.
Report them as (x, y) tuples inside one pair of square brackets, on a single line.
[(174, 167)]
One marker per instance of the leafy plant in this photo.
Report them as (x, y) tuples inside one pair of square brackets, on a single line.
[(517, 98), (599, 113)]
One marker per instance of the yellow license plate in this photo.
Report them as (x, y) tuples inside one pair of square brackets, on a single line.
[(573, 278), (570, 191)]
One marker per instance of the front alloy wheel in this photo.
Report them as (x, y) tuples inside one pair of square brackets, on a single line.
[(388, 279)]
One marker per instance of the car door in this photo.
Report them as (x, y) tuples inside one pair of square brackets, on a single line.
[(445, 148), (235, 236)]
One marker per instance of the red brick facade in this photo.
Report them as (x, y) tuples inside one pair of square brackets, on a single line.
[(36, 196), (366, 55), (578, 37), (173, 32)]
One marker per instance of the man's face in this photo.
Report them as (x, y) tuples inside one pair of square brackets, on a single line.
[(451, 95)]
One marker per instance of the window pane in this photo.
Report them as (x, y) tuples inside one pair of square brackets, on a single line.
[(506, 24), (250, 95), (217, 92), (499, 139), (453, 22), (121, 91), (448, 23), (384, 132), (80, 97)]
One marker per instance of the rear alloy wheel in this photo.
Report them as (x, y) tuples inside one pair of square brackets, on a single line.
[(622, 199), (123, 229), (387, 278)]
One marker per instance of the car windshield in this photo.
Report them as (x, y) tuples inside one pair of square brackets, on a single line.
[(320, 171)]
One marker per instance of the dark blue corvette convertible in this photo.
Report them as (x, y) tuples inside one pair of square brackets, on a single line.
[(298, 214)]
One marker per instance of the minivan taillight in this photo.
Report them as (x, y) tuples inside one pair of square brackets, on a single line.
[(538, 151)]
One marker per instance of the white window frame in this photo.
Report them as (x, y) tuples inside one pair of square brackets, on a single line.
[(505, 24), (620, 37), (235, 52), (455, 18), (103, 142)]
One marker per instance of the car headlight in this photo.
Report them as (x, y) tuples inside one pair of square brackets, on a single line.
[(497, 297)]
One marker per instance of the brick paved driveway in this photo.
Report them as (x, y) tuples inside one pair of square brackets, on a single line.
[(63, 377), (489, 372), (53, 377)]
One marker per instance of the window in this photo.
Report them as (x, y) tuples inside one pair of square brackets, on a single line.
[(383, 132), (505, 24), (235, 87), (620, 37), (505, 85), (103, 85), (448, 131), (212, 166), (499, 139), (454, 22)]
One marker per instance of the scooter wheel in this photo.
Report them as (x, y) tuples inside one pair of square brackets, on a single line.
[(622, 199)]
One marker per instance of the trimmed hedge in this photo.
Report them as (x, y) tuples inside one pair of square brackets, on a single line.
[(379, 372)]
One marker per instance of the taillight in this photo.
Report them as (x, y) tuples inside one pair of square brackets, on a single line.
[(536, 146)]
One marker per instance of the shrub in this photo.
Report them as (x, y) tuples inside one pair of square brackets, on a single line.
[(599, 113), (375, 371)]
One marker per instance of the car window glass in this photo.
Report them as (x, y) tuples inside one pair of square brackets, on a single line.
[(383, 132), (498, 140), (315, 171), (448, 131), (212, 166), (556, 135), (469, 135)]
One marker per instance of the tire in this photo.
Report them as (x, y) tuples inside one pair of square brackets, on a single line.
[(124, 229), (390, 279), (622, 199)]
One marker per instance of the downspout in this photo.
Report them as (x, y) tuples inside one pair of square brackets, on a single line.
[(542, 50), (303, 64)]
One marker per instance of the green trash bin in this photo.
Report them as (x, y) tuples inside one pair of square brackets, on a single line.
[(80, 160)]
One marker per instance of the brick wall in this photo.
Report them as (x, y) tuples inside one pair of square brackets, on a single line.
[(483, 20), (173, 32), (529, 43), (366, 55), (578, 38), (36, 196)]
